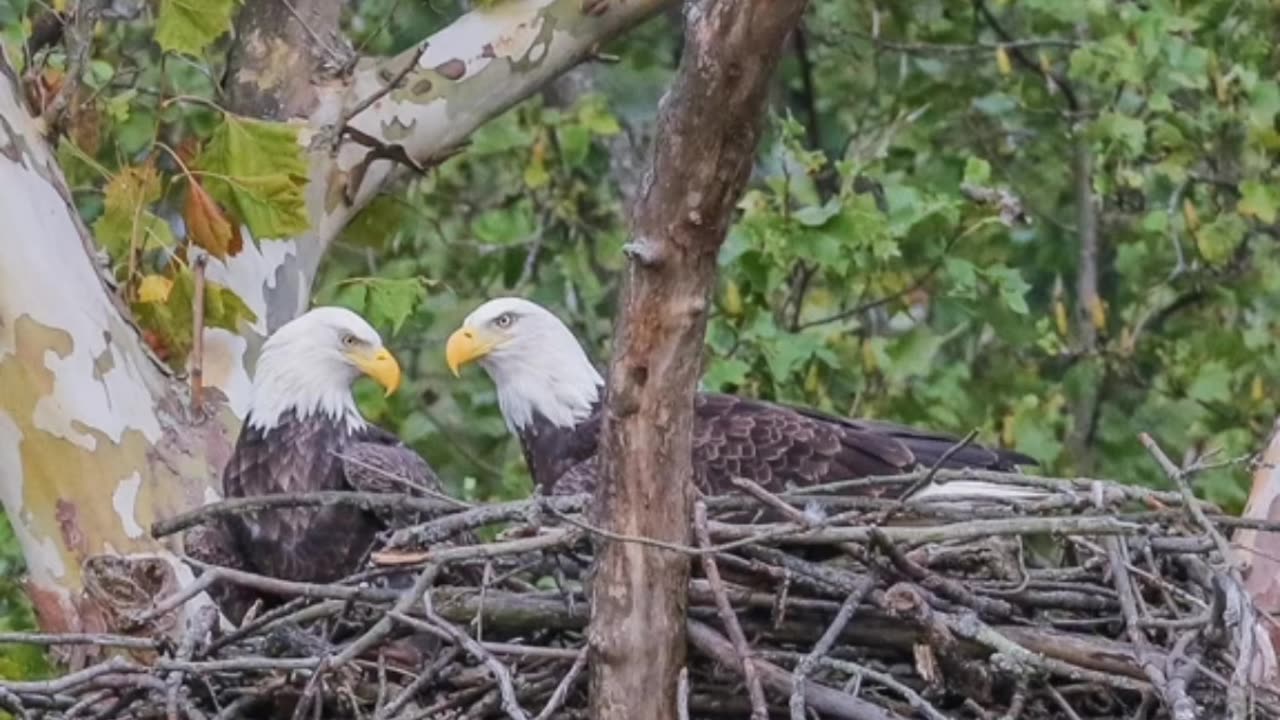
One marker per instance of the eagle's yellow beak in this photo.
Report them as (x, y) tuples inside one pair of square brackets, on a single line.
[(380, 365), (464, 346)]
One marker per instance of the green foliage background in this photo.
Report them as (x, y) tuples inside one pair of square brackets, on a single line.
[(862, 276)]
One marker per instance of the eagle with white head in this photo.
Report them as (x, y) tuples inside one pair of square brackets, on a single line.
[(550, 396), (304, 433)]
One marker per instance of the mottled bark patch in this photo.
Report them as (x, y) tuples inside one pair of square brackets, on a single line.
[(452, 69), (69, 525)]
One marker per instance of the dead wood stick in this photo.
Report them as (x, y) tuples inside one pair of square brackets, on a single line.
[(824, 644), (759, 706), (957, 532), (215, 573), (549, 539), (562, 690), (1181, 707), (238, 506), (857, 669), (826, 700), (197, 334), (431, 672), (936, 583), (1069, 485), (510, 704), (1238, 692), (199, 625), (384, 625), (97, 639)]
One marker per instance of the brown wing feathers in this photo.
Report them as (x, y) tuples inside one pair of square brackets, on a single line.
[(779, 446)]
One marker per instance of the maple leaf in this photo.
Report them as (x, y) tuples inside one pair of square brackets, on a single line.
[(207, 225)]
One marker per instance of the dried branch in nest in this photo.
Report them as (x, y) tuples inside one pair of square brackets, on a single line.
[(1086, 605)]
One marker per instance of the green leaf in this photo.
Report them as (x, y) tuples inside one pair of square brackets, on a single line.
[(595, 116), (977, 171), (392, 301), (725, 372), (258, 169), (1219, 239), (377, 223), (575, 143), (115, 231), (536, 174), (189, 26), (1212, 383), (816, 215), (126, 222), (1129, 132), (1011, 287), (1259, 201)]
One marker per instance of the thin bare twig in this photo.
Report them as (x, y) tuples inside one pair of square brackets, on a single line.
[(759, 706)]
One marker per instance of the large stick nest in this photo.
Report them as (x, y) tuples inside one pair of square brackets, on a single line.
[(1095, 601)]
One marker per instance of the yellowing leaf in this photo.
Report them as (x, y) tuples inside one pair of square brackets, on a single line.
[(1190, 215), (1002, 60), (870, 361), (258, 170), (207, 225), (1060, 318), (154, 289), (169, 324), (1097, 312), (811, 380), (1259, 200), (732, 299), (131, 187), (126, 225), (189, 26), (1257, 391)]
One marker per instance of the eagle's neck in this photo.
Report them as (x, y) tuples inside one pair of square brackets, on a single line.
[(559, 388), (302, 390), (550, 449)]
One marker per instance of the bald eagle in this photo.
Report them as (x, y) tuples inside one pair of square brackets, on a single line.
[(550, 396), (304, 433)]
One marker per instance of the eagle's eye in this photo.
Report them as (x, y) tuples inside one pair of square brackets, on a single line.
[(349, 340), (503, 320)]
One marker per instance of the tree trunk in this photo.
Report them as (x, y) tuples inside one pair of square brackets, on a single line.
[(709, 125), (1259, 552), (97, 439)]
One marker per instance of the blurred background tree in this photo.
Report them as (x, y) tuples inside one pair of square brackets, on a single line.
[(1053, 222)]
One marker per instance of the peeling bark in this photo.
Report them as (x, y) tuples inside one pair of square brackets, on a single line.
[(94, 440), (1258, 552), (710, 122)]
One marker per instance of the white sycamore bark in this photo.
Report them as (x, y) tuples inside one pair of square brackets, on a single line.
[(97, 440)]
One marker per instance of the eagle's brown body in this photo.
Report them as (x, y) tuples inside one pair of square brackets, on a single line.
[(772, 444), (313, 454)]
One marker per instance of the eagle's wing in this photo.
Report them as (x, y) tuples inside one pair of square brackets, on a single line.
[(308, 544), (378, 461), (928, 446), (779, 446)]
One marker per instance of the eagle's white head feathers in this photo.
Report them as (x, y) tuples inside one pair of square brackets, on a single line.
[(308, 365), (536, 363)]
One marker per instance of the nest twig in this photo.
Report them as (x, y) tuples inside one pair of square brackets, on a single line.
[(1095, 601)]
